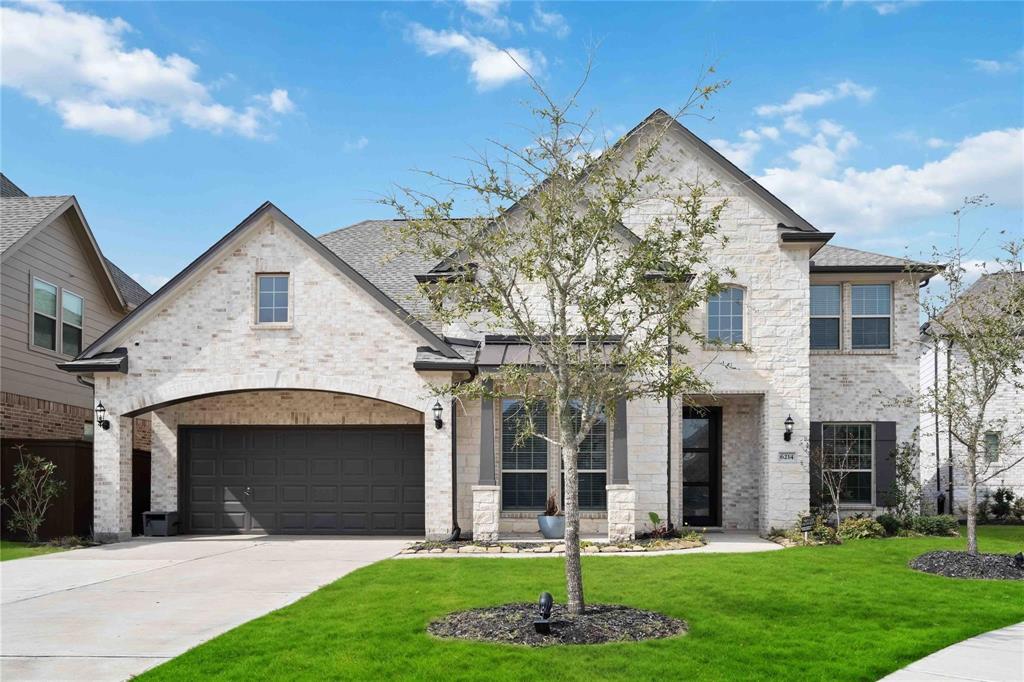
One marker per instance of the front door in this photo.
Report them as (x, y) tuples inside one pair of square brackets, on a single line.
[(702, 466)]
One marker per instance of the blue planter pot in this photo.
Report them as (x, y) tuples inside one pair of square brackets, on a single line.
[(551, 527)]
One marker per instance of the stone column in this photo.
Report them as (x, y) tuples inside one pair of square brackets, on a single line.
[(785, 480), (112, 479), (486, 512), (621, 513), (437, 456), (164, 478)]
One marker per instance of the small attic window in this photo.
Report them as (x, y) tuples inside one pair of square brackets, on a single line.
[(272, 298)]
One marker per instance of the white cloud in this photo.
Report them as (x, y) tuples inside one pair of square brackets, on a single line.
[(795, 124), (489, 16), (886, 8), (150, 282), (936, 143), (874, 200), (549, 22), (357, 145), (802, 101), (995, 67), (770, 132), (740, 153), (490, 66), (78, 64)]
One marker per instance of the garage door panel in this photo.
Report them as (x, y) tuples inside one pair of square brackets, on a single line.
[(304, 480), (293, 494), (293, 466)]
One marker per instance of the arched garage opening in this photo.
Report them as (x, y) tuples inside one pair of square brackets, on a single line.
[(289, 462)]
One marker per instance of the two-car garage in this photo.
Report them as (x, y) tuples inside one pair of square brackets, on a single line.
[(301, 480)]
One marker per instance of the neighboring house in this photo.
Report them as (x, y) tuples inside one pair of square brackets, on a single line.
[(286, 378), (59, 295), (937, 476)]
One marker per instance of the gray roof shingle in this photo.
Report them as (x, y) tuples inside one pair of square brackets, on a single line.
[(841, 256), (9, 189), (133, 292), (367, 248), (18, 215)]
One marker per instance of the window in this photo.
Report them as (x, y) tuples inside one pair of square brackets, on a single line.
[(850, 448), (524, 462), (591, 463), (72, 311), (825, 313), (991, 446), (273, 298), (871, 310), (44, 315), (725, 316)]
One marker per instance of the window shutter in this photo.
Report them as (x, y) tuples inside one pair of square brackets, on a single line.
[(885, 467), (815, 472)]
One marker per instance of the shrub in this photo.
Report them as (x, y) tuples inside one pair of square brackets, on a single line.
[(936, 525), (890, 523), (1018, 509), (33, 488), (857, 528), (1002, 503), (984, 509)]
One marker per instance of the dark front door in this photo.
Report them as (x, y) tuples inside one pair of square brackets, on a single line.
[(328, 480), (702, 466)]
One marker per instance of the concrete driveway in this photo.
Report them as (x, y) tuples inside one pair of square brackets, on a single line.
[(109, 612)]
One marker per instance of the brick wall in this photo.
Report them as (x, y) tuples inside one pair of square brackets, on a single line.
[(35, 419)]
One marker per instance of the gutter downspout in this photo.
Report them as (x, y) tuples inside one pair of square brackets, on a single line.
[(456, 531), (85, 383), (668, 444)]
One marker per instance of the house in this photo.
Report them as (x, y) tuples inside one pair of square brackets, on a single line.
[(286, 377), (59, 295), (942, 457)]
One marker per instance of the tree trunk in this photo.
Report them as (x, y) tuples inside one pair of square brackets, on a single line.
[(972, 503), (573, 569)]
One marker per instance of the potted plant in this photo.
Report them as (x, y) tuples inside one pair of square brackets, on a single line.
[(551, 522)]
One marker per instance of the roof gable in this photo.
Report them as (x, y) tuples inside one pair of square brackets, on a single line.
[(266, 209)]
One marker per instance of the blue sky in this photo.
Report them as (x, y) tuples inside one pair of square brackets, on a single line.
[(172, 121)]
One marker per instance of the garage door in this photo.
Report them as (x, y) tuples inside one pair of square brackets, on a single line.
[(327, 480)]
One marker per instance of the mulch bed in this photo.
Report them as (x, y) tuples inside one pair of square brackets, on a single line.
[(963, 565), (599, 624)]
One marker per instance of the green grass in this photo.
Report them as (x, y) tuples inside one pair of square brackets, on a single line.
[(19, 550), (854, 612)]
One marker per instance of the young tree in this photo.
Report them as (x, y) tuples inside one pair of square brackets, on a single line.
[(32, 490), (829, 471), (544, 256), (979, 328), (905, 491)]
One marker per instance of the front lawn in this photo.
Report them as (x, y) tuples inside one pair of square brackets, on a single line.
[(854, 612), (19, 550)]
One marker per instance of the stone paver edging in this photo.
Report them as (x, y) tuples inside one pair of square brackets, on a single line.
[(996, 656)]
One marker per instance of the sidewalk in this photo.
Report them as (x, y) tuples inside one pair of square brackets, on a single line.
[(996, 656)]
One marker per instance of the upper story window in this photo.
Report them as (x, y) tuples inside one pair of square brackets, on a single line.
[(591, 462), (58, 318), (273, 298), (44, 315), (871, 312), (725, 316), (826, 308), (524, 462), (72, 313)]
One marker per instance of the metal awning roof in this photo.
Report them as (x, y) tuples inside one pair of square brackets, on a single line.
[(499, 351)]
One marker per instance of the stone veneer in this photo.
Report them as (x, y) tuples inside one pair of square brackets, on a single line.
[(202, 339)]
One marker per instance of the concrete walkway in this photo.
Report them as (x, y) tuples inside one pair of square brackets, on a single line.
[(110, 612), (996, 656)]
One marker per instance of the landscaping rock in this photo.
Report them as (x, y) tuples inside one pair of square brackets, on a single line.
[(600, 623), (558, 548), (963, 565)]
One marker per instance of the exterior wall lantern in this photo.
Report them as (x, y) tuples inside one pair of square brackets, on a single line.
[(437, 410), (101, 417), (788, 436)]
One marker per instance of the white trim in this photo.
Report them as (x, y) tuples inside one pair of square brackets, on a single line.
[(32, 315), (892, 310), (80, 328), (870, 426), (714, 344), (290, 293), (838, 317)]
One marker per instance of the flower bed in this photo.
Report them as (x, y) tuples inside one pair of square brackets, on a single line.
[(636, 546)]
